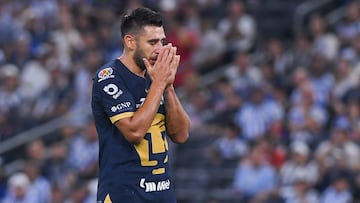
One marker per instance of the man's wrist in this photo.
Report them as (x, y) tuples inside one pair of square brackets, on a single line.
[(170, 88), (159, 86)]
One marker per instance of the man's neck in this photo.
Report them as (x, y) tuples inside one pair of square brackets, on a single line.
[(131, 65)]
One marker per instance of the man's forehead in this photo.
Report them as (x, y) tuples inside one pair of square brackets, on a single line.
[(150, 31)]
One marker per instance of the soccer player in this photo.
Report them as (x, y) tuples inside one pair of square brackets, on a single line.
[(136, 109)]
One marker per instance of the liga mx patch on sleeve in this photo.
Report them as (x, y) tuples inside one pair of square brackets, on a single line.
[(105, 74)]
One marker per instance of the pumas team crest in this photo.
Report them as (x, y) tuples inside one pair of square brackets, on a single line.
[(105, 74)]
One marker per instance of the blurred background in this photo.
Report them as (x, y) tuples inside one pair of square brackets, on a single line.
[(272, 89)]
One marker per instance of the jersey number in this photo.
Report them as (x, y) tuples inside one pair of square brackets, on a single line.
[(154, 143)]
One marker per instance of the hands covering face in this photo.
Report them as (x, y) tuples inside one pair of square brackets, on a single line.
[(165, 67)]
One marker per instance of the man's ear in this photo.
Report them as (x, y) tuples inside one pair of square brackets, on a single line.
[(130, 42)]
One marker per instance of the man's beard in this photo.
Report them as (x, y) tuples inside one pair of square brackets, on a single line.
[(138, 58)]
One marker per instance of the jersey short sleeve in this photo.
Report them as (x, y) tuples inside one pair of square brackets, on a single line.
[(113, 96)]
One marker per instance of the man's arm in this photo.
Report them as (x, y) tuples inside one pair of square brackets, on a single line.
[(135, 127), (177, 120)]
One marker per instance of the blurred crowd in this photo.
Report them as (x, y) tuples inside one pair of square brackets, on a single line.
[(285, 113)]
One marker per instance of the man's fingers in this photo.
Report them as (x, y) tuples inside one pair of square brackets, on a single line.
[(171, 55), (164, 52), (147, 64), (175, 62), (177, 57)]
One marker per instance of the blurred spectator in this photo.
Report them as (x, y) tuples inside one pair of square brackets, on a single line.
[(36, 153), (82, 83), (11, 98), (243, 74), (270, 80), (83, 151), (349, 27), (197, 106), (325, 43), (238, 28), (338, 192), (306, 119), (33, 24), (58, 169), (55, 100), (254, 176), (9, 26), (225, 101), (352, 52), (352, 116), (302, 51), (339, 166), (322, 79), (91, 43), (276, 53), (353, 94), (228, 147), (215, 9), (11, 95), (344, 79), (19, 190), (339, 140), (193, 21), (197, 103), (67, 38), (276, 150), (39, 186), (211, 39), (275, 87), (20, 53), (299, 191), (302, 80), (192, 84), (45, 10), (298, 165), (57, 195), (258, 114), (111, 46), (299, 77), (67, 133), (79, 194), (186, 40), (35, 76)]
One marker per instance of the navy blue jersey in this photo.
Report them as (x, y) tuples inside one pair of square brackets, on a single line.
[(129, 173)]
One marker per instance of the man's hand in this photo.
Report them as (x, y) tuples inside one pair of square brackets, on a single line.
[(174, 66), (163, 71)]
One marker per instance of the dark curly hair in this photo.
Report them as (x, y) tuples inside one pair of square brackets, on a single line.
[(137, 19)]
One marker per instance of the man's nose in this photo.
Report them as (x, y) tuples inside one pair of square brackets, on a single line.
[(158, 47)]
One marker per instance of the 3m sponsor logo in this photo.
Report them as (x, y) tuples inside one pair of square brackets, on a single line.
[(155, 186), (113, 90), (121, 106), (105, 74)]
